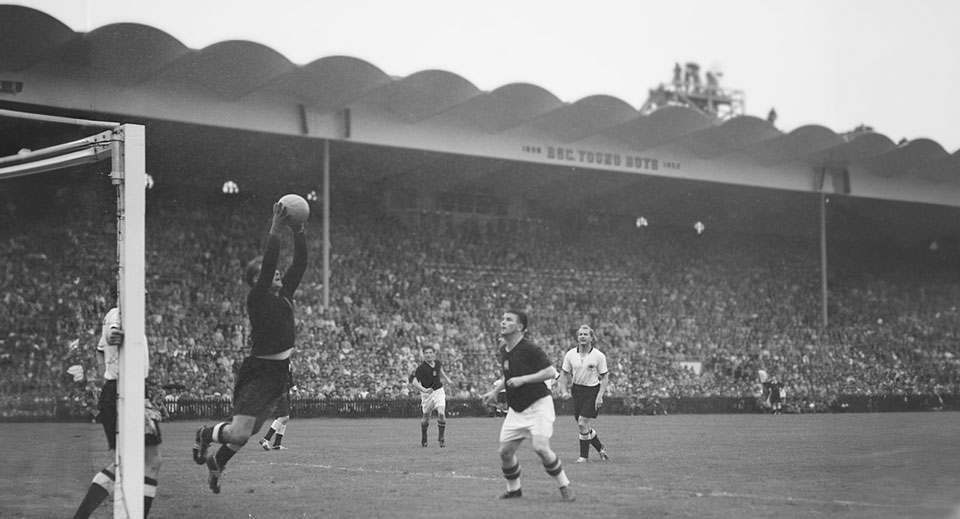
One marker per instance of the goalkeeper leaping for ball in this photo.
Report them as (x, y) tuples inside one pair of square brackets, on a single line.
[(263, 377)]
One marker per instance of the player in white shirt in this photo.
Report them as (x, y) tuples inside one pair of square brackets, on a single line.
[(108, 360), (584, 377)]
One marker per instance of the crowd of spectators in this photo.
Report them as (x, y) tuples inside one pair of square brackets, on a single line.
[(661, 300)]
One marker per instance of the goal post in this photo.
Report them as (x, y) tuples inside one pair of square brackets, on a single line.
[(129, 173), (125, 145)]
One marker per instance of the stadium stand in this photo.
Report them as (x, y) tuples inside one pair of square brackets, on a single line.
[(662, 300)]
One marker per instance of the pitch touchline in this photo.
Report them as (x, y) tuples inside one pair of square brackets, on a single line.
[(714, 493)]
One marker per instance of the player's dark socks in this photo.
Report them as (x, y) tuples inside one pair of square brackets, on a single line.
[(423, 433), (595, 441), (149, 491), (511, 473), (223, 455), (96, 494), (269, 434), (442, 426), (276, 442), (554, 468)]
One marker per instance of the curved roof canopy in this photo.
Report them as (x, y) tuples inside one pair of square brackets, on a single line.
[(138, 71)]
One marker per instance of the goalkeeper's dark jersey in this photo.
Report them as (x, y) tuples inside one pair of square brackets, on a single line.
[(271, 316)]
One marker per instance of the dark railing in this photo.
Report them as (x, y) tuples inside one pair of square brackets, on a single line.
[(205, 409)]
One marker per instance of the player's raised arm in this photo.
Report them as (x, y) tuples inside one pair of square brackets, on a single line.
[(291, 279)]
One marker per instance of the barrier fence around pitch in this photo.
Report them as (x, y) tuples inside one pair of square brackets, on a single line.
[(182, 409)]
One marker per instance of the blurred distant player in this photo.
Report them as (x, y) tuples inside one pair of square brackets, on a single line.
[(279, 426), (773, 390), (264, 376), (530, 412), (426, 379), (586, 367)]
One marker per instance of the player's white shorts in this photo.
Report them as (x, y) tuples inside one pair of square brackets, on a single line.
[(431, 401), (536, 420)]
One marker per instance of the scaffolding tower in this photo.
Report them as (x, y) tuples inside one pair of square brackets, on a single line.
[(687, 89)]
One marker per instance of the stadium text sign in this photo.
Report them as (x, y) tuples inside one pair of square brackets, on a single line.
[(599, 158)]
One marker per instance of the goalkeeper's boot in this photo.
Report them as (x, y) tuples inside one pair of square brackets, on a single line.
[(603, 454), (566, 494), (200, 446), (265, 444), (215, 474)]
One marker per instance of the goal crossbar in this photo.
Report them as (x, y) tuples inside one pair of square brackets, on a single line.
[(76, 158), (57, 119), (101, 140)]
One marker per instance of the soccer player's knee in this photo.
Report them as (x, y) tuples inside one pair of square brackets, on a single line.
[(152, 467), (543, 450), (506, 453), (153, 459)]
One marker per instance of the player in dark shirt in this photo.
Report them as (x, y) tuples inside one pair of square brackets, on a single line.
[(530, 412), (264, 375), (426, 380)]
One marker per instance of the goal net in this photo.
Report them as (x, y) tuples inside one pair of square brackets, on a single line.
[(124, 145)]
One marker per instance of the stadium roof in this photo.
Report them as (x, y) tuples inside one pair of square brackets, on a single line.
[(437, 126)]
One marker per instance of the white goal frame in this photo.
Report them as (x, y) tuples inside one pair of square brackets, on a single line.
[(125, 145)]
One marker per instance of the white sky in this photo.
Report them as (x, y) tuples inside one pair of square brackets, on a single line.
[(890, 64)]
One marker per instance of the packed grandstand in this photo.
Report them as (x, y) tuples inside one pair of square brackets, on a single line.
[(678, 313)]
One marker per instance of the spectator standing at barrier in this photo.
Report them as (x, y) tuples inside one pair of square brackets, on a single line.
[(584, 373), (264, 375), (108, 361), (530, 412), (427, 380)]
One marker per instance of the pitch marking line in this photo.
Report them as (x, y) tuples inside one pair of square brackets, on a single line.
[(711, 493)]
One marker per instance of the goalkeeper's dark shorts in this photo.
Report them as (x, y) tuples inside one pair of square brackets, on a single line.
[(260, 385), (585, 401), (109, 416)]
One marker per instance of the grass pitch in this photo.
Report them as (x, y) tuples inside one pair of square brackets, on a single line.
[(698, 466)]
